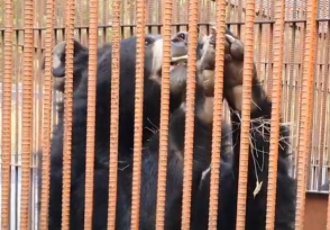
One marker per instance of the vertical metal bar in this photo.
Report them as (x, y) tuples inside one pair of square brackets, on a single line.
[(326, 92), (305, 111), (91, 100), (67, 145), (138, 116), (47, 111), (314, 134), (217, 110), (276, 111), (246, 104), (18, 123), (114, 120), (298, 96), (164, 113), (28, 92), (325, 84), (6, 115), (189, 122)]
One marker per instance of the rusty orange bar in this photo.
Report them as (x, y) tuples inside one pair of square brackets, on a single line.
[(91, 100), (326, 92), (246, 107), (189, 122), (314, 132), (276, 111), (305, 111), (164, 114), (28, 93), (324, 98), (47, 111), (138, 116), (114, 119), (67, 145), (217, 111), (6, 115)]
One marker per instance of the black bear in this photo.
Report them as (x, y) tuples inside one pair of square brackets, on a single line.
[(152, 71), (202, 143), (258, 154)]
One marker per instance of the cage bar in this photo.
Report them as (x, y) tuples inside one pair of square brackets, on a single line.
[(305, 112), (68, 86), (276, 109), (6, 115), (114, 121), (138, 114), (47, 110), (217, 115), (167, 6), (245, 120), (91, 100), (27, 112), (190, 115)]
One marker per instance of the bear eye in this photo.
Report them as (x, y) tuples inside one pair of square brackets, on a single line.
[(147, 41), (182, 36)]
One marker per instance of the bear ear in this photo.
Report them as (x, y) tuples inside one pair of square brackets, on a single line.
[(59, 57)]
